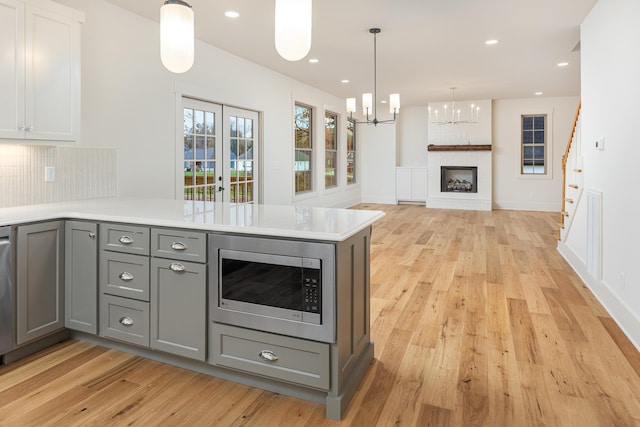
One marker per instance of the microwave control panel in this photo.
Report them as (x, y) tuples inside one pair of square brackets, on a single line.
[(311, 287)]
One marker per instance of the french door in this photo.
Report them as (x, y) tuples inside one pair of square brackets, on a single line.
[(220, 153)]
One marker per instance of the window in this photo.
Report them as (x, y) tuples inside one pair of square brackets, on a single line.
[(351, 151), (304, 148), (331, 150), (534, 144)]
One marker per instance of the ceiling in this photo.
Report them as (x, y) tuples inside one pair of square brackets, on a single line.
[(425, 47)]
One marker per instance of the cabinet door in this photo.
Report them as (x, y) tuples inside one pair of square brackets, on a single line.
[(403, 184), (81, 276), (178, 307), (39, 280), (12, 68), (52, 89), (419, 184)]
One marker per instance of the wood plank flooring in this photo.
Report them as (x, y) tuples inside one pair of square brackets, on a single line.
[(476, 318)]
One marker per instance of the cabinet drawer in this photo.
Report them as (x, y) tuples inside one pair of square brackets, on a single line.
[(124, 275), (292, 359), (125, 238), (124, 319), (179, 244)]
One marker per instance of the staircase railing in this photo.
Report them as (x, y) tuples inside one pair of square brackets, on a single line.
[(565, 158)]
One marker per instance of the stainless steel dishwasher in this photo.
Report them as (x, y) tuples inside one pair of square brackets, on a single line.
[(6, 299)]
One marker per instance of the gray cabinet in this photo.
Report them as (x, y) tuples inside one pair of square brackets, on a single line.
[(179, 292), (153, 288), (39, 280), (178, 309), (81, 276), (124, 283)]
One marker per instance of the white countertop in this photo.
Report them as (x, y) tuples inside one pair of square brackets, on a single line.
[(328, 224)]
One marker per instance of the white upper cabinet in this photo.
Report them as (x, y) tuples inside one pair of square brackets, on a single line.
[(39, 71)]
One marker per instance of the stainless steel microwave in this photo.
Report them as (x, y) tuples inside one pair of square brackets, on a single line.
[(275, 285)]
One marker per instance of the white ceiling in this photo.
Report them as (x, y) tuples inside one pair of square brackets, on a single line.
[(425, 47)]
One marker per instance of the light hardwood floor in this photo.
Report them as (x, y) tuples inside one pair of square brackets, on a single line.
[(476, 319)]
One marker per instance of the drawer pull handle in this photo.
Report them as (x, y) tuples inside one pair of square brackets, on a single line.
[(177, 267), (126, 277), (126, 321), (178, 246), (125, 240), (268, 355), (92, 235)]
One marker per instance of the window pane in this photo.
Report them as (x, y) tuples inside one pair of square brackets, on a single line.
[(527, 153), (538, 122), (527, 137), (303, 126), (210, 123), (233, 148), (538, 137), (330, 131), (527, 123), (199, 121), (233, 131), (248, 128), (200, 141), (240, 122), (242, 148), (249, 153), (188, 120), (188, 147)]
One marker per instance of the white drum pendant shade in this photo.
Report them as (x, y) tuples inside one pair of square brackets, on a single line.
[(176, 36), (293, 28)]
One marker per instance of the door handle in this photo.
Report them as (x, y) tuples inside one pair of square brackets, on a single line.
[(220, 188)]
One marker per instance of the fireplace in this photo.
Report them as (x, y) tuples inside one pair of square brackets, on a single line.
[(458, 179)]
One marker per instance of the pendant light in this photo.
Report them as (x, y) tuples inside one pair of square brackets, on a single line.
[(293, 28), (176, 36), (369, 101)]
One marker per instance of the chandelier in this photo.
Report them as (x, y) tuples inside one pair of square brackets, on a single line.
[(453, 116), (369, 101), (176, 36)]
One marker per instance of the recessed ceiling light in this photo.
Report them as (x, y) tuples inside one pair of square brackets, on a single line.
[(313, 61), (384, 101), (344, 81), (231, 14), (562, 64), (538, 93), (491, 42)]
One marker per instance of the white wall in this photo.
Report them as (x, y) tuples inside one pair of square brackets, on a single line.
[(511, 190), (411, 134), (610, 91), (129, 102), (378, 162)]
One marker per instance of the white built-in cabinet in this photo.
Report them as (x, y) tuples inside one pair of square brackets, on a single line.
[(411, 184), (39, 71)]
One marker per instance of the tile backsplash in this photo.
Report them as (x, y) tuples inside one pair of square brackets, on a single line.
[(80, 173)]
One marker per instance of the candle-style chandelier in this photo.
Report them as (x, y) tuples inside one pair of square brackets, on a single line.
[(452, 115), (369, 101)]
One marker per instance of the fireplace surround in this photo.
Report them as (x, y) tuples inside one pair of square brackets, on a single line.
[(465, 158)]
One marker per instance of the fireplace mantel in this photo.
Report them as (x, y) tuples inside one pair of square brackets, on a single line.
[(459, 147)]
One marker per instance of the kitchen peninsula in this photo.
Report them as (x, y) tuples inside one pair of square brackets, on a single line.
[(147, 276)]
